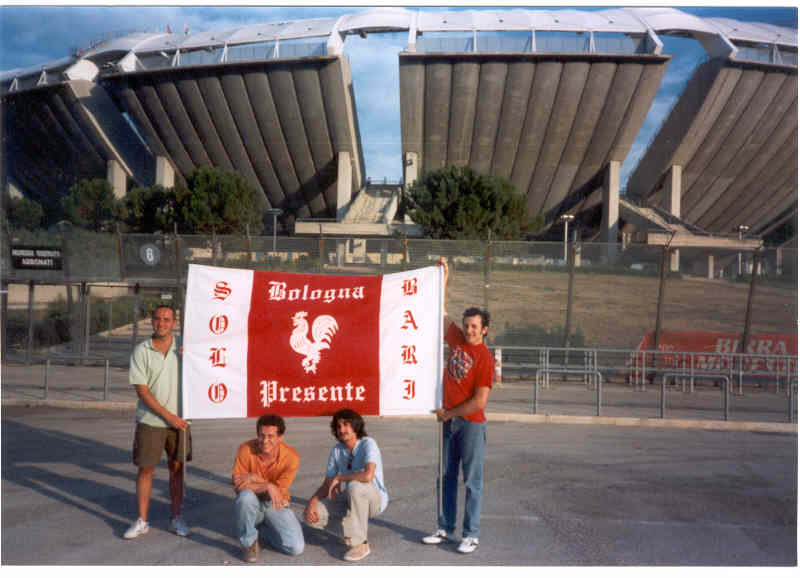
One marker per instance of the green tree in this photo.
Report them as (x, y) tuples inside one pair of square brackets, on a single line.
[(149, 209), (217, 199), (24, 213), (91, 205), (212, 199), (458, 203)]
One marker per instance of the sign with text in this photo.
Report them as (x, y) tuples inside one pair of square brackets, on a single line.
[(715, 349), (259, 342), (31, 257)]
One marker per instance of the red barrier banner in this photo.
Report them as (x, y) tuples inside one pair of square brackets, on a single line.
[(715, 349), (259, 342)]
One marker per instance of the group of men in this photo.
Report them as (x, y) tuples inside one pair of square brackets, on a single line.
[(353, 488)]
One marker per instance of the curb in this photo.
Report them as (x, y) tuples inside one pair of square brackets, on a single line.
[(541, 419), (66, 404), (708, 424)]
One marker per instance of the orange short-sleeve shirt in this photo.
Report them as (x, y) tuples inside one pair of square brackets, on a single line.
[(281, 473)]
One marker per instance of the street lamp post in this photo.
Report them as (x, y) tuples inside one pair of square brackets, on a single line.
[(742, 229), (566, 219), (274, 213)]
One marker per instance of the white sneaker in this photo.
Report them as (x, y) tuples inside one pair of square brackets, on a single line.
[(468, 545), (439, 537), (138, 528), (178, 526)]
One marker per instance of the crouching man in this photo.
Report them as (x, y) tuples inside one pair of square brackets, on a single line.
[(264, 470), (353, 489)]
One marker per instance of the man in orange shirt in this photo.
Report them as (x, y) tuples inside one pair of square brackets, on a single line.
[(466, 385), (264, 469)]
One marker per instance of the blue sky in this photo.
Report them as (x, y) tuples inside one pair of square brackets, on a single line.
[(31, 35)]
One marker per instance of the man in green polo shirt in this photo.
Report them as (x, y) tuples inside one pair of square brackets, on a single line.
[(155, 373)]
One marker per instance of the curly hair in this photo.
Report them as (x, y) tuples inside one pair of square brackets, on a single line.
[(271, 419), (353, 418), (473, 311)]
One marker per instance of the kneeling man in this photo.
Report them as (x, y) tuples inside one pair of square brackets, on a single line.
[(353, 488), (264, 469)]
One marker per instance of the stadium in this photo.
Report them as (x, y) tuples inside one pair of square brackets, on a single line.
[(550, 100), (644, 340)]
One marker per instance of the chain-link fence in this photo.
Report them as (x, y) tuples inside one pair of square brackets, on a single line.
[(609, 299)]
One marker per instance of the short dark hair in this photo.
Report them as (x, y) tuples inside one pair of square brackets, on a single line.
[(271, 419), (164, 306), (353, 418), (473, 311)]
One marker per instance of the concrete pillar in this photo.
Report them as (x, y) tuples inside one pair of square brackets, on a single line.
[(710, 273), (610, 226), (672, 203), (165, 173), (359, 252), (344, 183), (410, 168), (115, 175)]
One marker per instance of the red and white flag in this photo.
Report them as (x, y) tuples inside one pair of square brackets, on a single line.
[(259, 342)]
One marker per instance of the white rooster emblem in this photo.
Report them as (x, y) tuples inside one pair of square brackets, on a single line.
[(322, 331)]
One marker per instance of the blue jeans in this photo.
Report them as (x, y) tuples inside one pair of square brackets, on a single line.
[(463, 443), (279, 528)]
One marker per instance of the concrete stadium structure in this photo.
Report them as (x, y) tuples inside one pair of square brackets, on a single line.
[(551, 100)]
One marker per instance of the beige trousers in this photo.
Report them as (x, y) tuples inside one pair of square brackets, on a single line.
[(352, 508)]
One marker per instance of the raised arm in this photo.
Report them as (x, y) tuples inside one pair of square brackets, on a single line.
[(446, 270)]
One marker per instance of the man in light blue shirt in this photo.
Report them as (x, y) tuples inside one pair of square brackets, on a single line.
[(353, 489)]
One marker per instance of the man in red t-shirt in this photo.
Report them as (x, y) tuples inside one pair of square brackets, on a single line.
[(467, 383)]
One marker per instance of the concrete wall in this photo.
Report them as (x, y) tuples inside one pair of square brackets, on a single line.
[(734, 131), (281, 124), (548, 123)]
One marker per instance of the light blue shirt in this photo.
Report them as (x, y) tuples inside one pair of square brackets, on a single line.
[(341, 461)]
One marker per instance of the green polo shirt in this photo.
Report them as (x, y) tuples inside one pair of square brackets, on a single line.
[(161, 374)]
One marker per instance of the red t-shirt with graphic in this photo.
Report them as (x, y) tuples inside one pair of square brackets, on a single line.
[(468, 368)]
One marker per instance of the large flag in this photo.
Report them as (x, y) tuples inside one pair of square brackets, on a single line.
[(259, 342)]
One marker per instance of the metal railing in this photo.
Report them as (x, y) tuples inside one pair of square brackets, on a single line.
[(638, 367), (48, 361), (597, 384), (725, 392)]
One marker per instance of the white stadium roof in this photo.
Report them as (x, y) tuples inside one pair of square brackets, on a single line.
[(718, 35)]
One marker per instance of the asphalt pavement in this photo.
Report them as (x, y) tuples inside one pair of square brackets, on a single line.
[(562, 488), (573, 495)]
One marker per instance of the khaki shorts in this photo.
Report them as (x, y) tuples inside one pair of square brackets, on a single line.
[(149, 442)]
